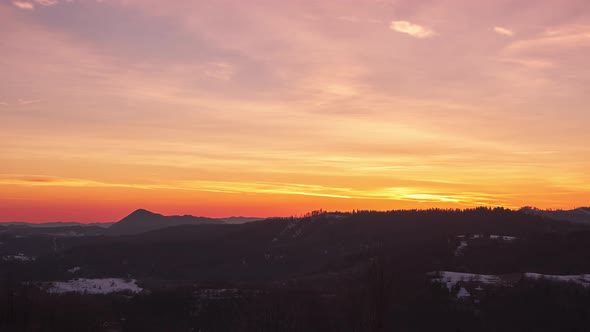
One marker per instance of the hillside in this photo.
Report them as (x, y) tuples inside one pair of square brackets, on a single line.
[(284, 248), (579, 215), (466, 270)]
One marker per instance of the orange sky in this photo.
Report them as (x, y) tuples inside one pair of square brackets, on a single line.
[(266, 108)]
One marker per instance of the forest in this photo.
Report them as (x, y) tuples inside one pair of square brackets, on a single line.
[(324, 271)]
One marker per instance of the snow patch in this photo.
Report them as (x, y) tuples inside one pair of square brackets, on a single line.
[(503, 238), (492, 237), (74, 269), (580, 279), (451, 279), (472, 281), (463, 293), (459, 250), (68, 234), (218, 294), (95, 286), (18, 257)]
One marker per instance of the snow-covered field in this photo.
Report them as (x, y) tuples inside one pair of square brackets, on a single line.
[(18, 257), (68, 234), (491, 237), (451, 279), (468, 281), (581, 279), (218, 294), (95, 286), (503, 238)]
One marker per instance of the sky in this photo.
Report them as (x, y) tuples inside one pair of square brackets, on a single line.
[(268, 108)]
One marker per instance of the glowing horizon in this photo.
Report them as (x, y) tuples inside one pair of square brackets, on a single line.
[(276, 108)]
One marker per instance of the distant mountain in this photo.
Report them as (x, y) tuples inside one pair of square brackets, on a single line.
[(141, 221), (579, 215), (239, 220), (57, 224), (58, 230)]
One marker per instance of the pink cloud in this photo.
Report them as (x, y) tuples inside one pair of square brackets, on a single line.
[(23, 5), (47, 3), (412, 29), (504, 31)]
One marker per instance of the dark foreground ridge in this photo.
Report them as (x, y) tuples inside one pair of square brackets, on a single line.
[(416, 270)]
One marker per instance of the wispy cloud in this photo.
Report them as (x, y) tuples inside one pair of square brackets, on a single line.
[(504, 31), (414, 30), (530, 62), (54, 181), (554, 48), (22, 102), (47, 2), (204, 186), (415, 194), (24, 5), (352, 19), (219, 70), (355, 19), (572, 36), (28, 102)]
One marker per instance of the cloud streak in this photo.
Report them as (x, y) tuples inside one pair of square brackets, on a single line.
[(422, 195), (28, 101), (23, 5), (504, 31), (414, 30), (351, 19), (554, 39), (47, 3)]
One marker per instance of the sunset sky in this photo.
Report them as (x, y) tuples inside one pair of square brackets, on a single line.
[(270, 107)]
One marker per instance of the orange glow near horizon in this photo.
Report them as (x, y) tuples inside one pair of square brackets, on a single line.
[(276, 108)]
